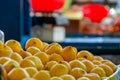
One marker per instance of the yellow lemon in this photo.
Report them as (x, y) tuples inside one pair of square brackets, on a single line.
[(98, 70), (66, 64), (77, 63), (44, 57), (34, 42), (45, 45), (85, 54), (49, 64), (107, 69), (17, 74), (3, 73), (67, 77), (55, 78), (111, 65), (58, 70), (25, 54), (77, 72), (83, 78), (4, 59), (28, 79), (105, 60), (27, 63), (15, 56), (92, 76), (37, 61), (69, 53), (54, 48), (89, 65), (9, 65), (33, 50), (96, 62), (99, 58), (81, 59), (14, 45), (31, 71), (1, 45), (42, 75), (6, 51), (56, 57)]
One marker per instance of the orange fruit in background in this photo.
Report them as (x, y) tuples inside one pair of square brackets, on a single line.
[(89, 65), (58, 70), (69, 53), (85, 54), (42, 75), (36, 42), (17, 74), (44, 57), (33, 50), (67, 77), (98, 70), (92, 76), (14, 45), (77, 63), (107, 69), (56, 57), (25, 54), (77, 72)]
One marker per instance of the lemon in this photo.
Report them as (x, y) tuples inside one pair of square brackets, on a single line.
[(77, 72), (85, 54), (14, 45), (31, 71), (44, 57), (49, 64), (67, 77), (56, 57), (58, 70), (36, 42), (15, 56), (33, 50), (42, 75), (77, 63), (69, 53), (17, 74)]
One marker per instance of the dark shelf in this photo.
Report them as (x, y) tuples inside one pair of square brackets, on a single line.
[(105, 2)]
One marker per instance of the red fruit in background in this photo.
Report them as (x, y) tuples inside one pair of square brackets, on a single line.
[(46, 5), (95, 12)]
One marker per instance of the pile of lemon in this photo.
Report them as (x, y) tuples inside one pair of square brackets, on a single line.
[(39, 60)]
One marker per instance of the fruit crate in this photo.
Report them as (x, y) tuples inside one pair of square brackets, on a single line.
[(115, 76)]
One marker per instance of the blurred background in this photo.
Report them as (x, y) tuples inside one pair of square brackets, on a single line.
[(92, 25)]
